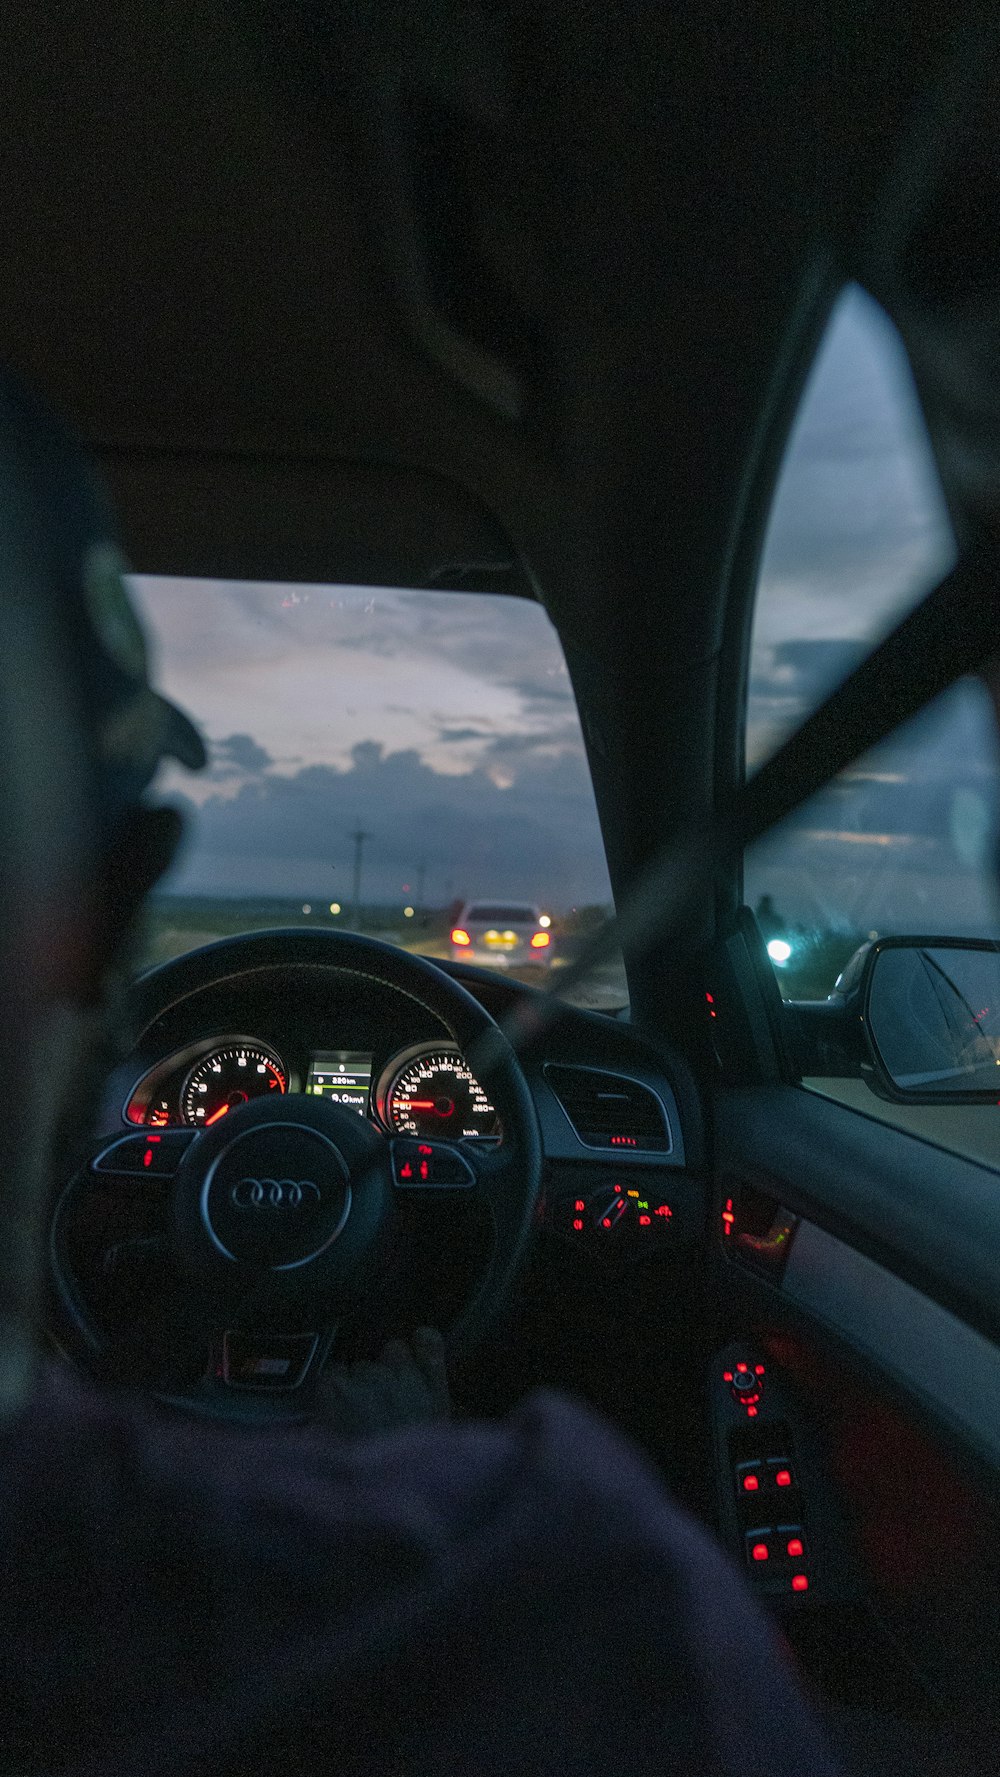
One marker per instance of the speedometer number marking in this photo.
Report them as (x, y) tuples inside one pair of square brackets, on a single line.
[(229, 1077), (437, 1094)]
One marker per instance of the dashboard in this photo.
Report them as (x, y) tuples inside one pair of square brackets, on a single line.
[(618, 1116), (425, 1089)]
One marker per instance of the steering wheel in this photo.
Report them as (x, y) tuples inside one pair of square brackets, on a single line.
[(277, 1221)]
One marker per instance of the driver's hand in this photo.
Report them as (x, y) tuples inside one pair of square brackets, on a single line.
[(407, 1386)]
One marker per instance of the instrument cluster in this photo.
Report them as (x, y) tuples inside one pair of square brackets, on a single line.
[(426, 1090)]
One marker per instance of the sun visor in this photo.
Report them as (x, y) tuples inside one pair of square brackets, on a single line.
[(359, 524)]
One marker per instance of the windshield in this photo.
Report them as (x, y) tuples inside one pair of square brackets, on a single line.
[(485, 911), (379, 761)]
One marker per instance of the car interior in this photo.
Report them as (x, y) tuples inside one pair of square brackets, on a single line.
[(521, 303)]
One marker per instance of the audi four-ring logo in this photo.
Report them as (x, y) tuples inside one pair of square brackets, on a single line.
[(274, 1193)]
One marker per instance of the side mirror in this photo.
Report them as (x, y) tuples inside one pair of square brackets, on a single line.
[(930, 1008)]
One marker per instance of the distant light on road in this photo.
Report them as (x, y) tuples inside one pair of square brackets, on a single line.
[(779, 950), (407, 912), (544, 920), (307, 906), (334, 906)]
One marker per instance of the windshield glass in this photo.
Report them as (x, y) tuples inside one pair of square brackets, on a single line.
[(379, 761)]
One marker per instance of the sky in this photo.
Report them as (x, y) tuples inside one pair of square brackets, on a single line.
[(443, 726)]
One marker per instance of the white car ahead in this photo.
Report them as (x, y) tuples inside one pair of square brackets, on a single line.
[(502, 934)]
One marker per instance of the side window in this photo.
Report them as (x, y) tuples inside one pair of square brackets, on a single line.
[(904, 841)]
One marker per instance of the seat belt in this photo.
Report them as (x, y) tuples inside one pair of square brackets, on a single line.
[(954, 631)]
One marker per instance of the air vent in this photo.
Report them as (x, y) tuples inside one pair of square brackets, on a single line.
[(611, 1110)]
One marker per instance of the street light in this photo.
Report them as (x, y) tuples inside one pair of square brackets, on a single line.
[(779, 950)]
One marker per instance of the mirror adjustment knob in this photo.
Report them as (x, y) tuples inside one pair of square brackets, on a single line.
[(745, 1383)]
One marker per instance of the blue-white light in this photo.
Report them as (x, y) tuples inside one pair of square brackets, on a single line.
[(779, 950)]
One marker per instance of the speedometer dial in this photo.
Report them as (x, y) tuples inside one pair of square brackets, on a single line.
[(435, 1094), (227, 1077)]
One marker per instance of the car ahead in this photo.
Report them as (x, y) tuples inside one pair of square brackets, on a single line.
[(502, 935)]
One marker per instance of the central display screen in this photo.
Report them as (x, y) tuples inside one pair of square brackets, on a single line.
[(344, 1076)]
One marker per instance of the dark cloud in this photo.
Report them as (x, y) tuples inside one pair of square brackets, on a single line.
[(538, 837), (238, 754), (452, 736)]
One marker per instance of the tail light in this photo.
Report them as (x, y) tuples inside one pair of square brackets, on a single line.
[(460, 937), (540, 940)]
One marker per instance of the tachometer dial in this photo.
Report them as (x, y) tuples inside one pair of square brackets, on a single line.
[(435, 1094), (227, 1077)]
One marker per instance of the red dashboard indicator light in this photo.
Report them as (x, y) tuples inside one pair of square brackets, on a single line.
[(743, 1368), (783, 1478), (758, 1369), (795, 1549), (663, 1209), (727, 1375), (645, 1221), (578, 1225), (406, 1171), (422, 1149), (606, 1223), (751, 1412), (799, 1582), (581, 1203), (710, 999), (750, 1483), (760, 1552)]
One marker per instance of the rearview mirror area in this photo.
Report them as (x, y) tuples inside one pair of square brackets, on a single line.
[(930, 1008)]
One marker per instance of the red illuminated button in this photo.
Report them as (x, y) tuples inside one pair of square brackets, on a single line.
[(762, 1548), (158, 1154), (748, 1477), (795, 1548), (419, 1163), (800, 1582), (783, 1477)]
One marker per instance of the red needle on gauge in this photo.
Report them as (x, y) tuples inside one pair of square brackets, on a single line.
[(214, 1118), (421, 1104)]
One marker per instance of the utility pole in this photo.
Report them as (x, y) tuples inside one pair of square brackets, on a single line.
[(359, 841), (421, 876)]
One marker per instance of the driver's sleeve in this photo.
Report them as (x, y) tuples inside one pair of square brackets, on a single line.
[(508, 1600)]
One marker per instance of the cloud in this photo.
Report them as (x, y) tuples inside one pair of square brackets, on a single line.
[(238, 754), (534, 835)]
